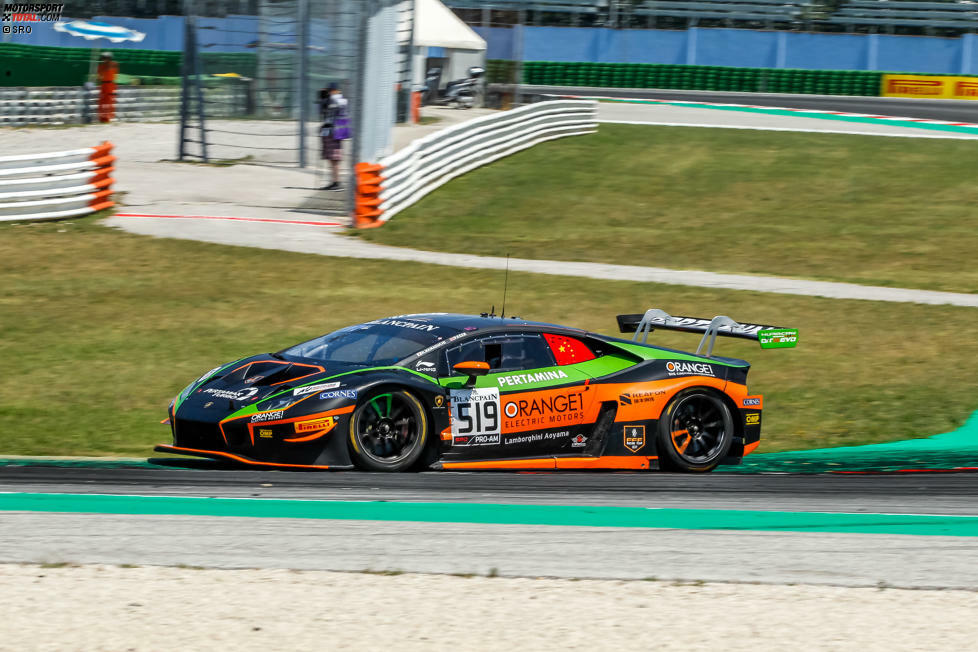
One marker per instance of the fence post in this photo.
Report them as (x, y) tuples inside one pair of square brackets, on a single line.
[(303, 11)]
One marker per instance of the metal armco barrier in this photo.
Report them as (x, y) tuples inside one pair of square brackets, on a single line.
[(54, 185), (399, 180)]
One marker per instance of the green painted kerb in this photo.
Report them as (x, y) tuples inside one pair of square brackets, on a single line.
[(964, 129), (956, 450), (631, 517)]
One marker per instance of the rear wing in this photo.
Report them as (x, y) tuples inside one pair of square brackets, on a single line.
[(769, 337)]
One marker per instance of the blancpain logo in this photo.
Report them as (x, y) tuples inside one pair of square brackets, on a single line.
[(309, 389), (406, 324), (539, 377), (689, 369)]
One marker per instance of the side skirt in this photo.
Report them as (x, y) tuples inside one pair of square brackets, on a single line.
[(607, 462), (221, 455)]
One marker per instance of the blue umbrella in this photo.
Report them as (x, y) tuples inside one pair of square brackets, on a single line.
[(91, 30)]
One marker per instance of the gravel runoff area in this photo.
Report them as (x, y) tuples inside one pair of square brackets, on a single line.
[(165, 608)]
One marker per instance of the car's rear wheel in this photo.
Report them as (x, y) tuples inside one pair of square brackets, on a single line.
[(696, 431), (388, 431)]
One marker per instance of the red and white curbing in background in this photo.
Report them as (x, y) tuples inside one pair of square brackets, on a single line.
[(55, 185)]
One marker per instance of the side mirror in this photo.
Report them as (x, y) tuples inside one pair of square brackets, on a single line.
[(473, 369)]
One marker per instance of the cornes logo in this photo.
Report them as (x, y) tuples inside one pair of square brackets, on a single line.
[(340, 393), (689, 369), (919, 87)]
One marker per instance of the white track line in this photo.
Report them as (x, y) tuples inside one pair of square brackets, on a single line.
[(951, 136)]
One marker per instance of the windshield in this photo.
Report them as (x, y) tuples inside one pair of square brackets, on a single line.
[(378, 343)]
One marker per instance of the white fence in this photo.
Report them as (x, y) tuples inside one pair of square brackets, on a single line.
[(54, 185), (427, 163)]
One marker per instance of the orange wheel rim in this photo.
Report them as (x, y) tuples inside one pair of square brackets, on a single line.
[(683, 435)]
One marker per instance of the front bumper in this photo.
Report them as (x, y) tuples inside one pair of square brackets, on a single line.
[(273, 439)]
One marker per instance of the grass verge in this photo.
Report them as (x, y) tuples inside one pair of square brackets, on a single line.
[(101, 328), (872, 210)]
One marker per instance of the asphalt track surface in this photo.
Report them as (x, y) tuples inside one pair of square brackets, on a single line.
[(512, 549), (950, 110), (938, 493)]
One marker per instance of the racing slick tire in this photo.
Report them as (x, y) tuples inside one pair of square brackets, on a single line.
[(695, 433), (388, 431)]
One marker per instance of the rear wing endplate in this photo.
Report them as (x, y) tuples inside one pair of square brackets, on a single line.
[(769, 337)]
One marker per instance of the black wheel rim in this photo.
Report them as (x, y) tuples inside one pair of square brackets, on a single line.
[(698, 427), (388, 428)]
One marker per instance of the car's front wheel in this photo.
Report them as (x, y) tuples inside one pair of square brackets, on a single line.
[(696, 431), (388, 431)]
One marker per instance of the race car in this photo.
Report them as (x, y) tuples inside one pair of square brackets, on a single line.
[(452, 391)]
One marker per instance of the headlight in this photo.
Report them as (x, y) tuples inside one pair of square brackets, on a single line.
[(189, 388), (185, 393), (207, 375)]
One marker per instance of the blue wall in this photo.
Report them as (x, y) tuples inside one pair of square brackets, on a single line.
[(829, 52), (712, 47), (737, 47)]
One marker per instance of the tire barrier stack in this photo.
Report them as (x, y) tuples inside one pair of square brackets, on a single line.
[(21, 107), (687, 77), (55, 185), (431, 161)]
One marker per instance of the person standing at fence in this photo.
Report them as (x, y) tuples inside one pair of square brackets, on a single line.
[(107, 70), (334, 112)]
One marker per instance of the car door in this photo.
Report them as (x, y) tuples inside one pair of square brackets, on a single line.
[(527, 405)]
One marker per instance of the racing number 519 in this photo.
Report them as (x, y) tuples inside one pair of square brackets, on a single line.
[(486, 417)]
